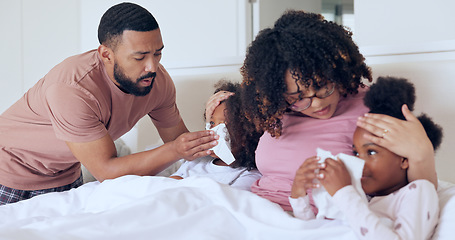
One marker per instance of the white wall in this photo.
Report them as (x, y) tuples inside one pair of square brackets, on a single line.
[(266, 12), (36, 35), (11, 50), (415, 40), (195, 33), (403, 22)]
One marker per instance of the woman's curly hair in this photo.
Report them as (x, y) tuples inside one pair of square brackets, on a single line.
[(314, 50), (242, 133), (388, 94)]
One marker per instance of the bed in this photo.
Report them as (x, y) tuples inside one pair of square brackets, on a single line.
[(135, 207)]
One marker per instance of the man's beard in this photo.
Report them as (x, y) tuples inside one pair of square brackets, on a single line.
[(131, 87)]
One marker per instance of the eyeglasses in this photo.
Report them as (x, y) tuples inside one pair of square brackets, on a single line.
[(303, 103)]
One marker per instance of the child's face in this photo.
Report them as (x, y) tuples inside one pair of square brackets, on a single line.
[(384, 171), (323, 102), (218, 115)]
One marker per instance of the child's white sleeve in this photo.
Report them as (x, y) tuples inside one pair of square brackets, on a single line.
[(301, 208), (194, 167), (409, 213), (183, 170), (246, 179)]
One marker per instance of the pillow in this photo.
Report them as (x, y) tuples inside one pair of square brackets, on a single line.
[(446, 226)]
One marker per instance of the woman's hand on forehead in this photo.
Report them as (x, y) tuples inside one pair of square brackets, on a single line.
[(214, 101)]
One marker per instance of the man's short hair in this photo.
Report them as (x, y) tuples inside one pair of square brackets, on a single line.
[(121, 17)]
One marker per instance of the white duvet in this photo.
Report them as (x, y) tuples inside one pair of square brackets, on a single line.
[(134, 207)]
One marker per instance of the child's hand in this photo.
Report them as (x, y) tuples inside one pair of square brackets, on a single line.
[(334, 175), (304, 177), (214, 101)]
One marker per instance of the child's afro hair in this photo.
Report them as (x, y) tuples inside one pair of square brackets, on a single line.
[(388, 95), (243, 135)]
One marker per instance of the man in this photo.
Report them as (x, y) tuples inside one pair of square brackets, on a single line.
[(75, 112)]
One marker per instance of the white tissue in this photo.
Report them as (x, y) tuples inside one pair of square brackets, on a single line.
[(223, 148), (323, 200)]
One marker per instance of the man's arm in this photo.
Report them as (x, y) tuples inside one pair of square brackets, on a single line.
[(170, 134), (100, 156)]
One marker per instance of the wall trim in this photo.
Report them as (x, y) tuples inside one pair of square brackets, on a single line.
[(209, 66), (417, 52)]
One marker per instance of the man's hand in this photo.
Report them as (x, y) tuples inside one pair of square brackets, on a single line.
[(192, 145)]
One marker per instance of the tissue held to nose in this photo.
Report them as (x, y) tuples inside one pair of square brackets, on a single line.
[(222, 149)]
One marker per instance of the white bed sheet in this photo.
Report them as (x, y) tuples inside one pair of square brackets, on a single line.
[(134, 207)]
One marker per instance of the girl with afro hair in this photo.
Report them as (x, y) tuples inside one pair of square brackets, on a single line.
[(411, 206), (241, 137)]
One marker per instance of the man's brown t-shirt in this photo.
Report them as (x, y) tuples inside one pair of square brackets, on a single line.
[(75, 102)]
